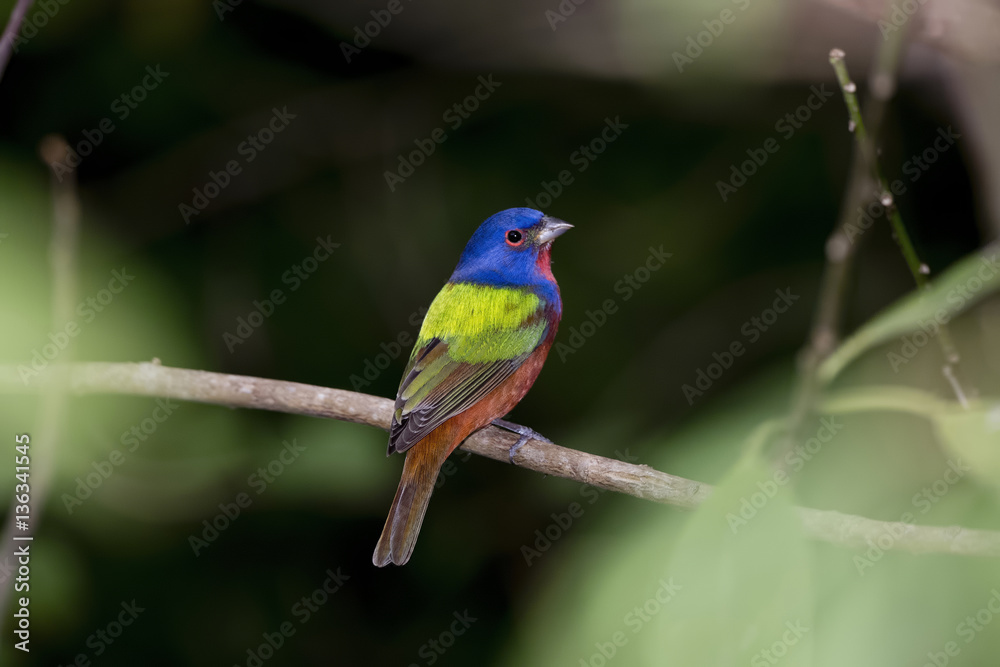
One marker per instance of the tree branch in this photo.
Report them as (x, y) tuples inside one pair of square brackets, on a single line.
[(840, 245), (63, 258), (10, 32), (153, 379)]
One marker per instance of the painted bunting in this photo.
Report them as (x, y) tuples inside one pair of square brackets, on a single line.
[(481, 346)]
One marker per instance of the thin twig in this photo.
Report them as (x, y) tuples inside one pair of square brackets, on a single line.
[(10, 32), (62, 256), (153, 379), (867, 149), (918, 269), (882, 79), (840, 246)]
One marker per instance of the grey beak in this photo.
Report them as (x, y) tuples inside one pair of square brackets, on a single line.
[(551, 229)]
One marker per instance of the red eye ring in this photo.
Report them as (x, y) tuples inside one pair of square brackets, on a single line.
[(514, 237)]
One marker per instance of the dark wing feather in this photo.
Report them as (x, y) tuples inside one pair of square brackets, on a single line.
[(436, 387)]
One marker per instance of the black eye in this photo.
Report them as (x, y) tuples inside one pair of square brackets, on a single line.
[(514, 237)]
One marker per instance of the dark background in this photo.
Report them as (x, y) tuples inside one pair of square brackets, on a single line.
[(324, 176)]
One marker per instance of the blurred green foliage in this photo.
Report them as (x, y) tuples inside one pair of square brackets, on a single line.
[(133, 534)]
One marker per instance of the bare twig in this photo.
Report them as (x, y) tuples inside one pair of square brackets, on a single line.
[(62, 256), (882, 79), (10, 32), (857, 531), (153, 379), (841, 246), (866, 147), (918, 269)]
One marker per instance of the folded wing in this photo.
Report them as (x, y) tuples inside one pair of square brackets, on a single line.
[(451, 371)]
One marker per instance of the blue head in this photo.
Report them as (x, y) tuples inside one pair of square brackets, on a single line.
[(512, 249)]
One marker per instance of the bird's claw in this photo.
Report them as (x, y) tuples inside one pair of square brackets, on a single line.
[(525, 432)]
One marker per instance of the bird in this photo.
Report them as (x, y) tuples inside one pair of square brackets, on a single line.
[(481, 346)]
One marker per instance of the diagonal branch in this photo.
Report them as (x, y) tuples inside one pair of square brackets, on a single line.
[(840, 246), (918, 269), (9, 35), (63, 259), (153, 379)]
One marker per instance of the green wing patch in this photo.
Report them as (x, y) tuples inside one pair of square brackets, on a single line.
[(482, 323), (473, 338)]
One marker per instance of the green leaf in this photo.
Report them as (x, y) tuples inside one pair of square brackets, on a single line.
[(742, 565), (883, 398), (973, 437), (954, 291)]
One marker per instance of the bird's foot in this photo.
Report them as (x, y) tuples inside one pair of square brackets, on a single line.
[(523, 431)]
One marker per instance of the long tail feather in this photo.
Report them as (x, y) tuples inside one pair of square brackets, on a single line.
[(406, 515)]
